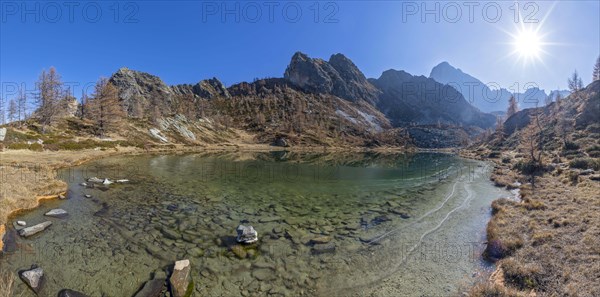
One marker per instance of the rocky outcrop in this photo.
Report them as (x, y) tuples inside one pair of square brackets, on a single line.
[(34, 278), (338, 77), (30, 231), (140, 90), (181, 280), (207, 89)]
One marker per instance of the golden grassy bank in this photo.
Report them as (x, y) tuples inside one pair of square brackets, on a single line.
[(548, 243)]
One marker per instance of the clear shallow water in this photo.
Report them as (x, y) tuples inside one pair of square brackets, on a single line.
[(398, 225)]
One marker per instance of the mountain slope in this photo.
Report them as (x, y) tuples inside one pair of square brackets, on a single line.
[(410, 100)]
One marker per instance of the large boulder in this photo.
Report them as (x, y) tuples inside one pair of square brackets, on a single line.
[(30, 231), (246, 234), (34, 278), (181, 280)]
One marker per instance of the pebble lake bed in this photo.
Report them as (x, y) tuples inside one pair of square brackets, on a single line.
[(330, 224)]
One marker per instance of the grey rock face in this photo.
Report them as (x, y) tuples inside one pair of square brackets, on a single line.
[(207, 89), (141, 89), (30, 231), (34, 278), (246, 234), (339, 77)]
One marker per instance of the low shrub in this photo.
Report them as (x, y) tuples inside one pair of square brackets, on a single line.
[(522, 276), (528, 167), (585, 163), (18, 146), (36, 147), (570, 146)]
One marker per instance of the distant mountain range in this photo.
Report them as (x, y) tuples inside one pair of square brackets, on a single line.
[(490, 97), (316, 101)]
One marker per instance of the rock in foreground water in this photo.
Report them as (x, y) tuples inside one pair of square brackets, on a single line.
[(246, 234), (71, 293), (181, 281), (34, 278), (152, 288), (29, 231)]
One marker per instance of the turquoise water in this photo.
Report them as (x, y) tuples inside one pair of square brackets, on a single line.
[(394, 224)]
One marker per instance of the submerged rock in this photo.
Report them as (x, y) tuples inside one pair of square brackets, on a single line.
[(323, 248), (246, 234), (34, 278), (320, 240), (70, 293), (152, 288), (57, 213), (95, 180), (181, 281), (30, 231), (239, 251)]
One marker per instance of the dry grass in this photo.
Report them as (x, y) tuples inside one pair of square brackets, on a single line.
[(549, 242), (7, 284)]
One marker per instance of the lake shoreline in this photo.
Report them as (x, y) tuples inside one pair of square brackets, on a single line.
[(52, 161), (291, 157)]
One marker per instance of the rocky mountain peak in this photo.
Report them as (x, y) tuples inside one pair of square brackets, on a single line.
[(140, 89), (339, 77)]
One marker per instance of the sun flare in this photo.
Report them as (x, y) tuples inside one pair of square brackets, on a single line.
[(528, 44)]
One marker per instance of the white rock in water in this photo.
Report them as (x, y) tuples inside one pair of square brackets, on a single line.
[(58, 212), (122, 181), (88, 196), (34, 278), (29, 231), (246, 234), (180, 279), (95, 180), (21, 223), (107, 182)]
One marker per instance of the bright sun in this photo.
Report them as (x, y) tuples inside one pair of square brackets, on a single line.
[(528, 44)]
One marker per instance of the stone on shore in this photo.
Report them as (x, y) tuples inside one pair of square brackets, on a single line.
[(57, 213), (181, 281), (70, 293), (34, 278), (246, 234), (30, 231)]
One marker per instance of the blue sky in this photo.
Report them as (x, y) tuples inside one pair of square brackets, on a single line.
[(186, 41)]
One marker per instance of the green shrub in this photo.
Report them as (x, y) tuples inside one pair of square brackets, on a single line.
[(528, 167), (36, 147), (585, 163), (569, 145), (18, 146), (494, 154)]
